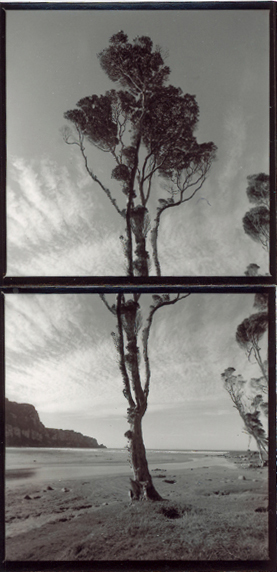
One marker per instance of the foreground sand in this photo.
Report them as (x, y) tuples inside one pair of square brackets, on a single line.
[(211, 512)]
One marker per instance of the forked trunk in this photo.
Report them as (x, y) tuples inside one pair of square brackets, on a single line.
[(142, 487)]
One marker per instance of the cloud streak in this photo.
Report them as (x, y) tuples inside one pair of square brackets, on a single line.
[(60, 355), (53, 224), (58, 223)]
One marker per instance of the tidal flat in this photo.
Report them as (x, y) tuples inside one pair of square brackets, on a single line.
[(66, 505)]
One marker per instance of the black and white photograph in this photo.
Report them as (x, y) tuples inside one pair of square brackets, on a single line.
[(137, 427), (138, 295), (138, 142)]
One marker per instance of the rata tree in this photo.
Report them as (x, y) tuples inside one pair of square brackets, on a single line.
[(257, 220), (251, 398), (147, 128), (131, 340), (248, 410)]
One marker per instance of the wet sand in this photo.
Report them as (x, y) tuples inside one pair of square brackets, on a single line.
[(42, 465), (52, 506)]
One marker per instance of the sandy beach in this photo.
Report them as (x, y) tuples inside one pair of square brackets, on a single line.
[(63, 506)]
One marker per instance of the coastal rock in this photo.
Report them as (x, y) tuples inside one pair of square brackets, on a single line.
[(23, 428)]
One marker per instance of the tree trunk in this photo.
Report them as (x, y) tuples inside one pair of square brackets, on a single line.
[(139, 217), (142, 487), (263, 454), (154, 242), (141, 262)]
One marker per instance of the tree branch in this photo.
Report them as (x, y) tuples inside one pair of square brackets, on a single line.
[(111, 309), (164, 301), (90, 172), (122, 366), (155, 229)]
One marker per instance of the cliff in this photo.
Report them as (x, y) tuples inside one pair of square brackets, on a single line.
[(23, 428)]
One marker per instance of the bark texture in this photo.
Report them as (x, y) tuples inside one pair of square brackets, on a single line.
[(142, 487)]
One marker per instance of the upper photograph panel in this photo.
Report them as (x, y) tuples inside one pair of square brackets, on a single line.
[(137, 143)]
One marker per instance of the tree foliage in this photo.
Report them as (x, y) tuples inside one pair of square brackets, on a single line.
[(250, 331), (256, 222), (252, 269), (258, 189), (249, 334), (148, 129), (249, 409), (256, 225), (261, 301), (251, 398)]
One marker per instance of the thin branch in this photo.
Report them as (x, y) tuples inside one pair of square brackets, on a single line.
[(126, 75), (112, 309), (155, 229), (145, 335), (80, 144), (95, 178), (149, 189), (144, 166)]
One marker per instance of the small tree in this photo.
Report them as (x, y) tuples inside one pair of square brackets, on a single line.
[(248, 410), (256, 221), (132, 333), (148, 130), (248, 335)]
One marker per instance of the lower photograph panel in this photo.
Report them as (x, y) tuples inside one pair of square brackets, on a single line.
[(136, 427)]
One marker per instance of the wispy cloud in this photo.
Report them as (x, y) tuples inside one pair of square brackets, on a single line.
[(234, 143), (53, 224), (59, 224), (60, 357)]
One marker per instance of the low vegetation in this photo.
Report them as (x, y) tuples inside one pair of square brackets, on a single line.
[(212, 513)]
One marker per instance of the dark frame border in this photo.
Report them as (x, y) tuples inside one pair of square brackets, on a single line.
[(205, 284)]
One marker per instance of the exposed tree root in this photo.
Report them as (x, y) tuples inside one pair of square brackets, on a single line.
[(143, 490)]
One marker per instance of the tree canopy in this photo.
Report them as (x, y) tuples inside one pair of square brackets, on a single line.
[(256, 222), (251, 330), (258, 189), (148, 129), (249, 409), (251, 398)]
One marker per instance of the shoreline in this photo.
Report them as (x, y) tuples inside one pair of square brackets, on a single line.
[(219, 513), (40, 465)]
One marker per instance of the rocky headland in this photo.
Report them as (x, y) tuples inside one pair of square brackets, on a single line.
[(23, 428)]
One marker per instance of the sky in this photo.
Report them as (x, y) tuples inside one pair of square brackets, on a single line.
[(60, 358), (58, 221)]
